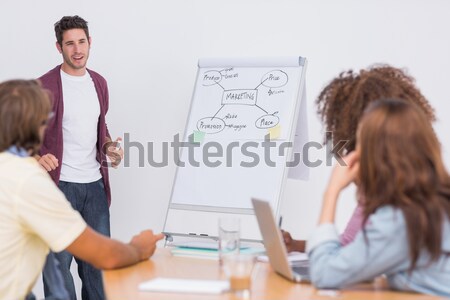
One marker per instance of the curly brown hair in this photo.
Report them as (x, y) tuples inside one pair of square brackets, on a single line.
[(342, 102)]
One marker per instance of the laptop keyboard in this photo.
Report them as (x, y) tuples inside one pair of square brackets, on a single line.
[(302, 271), (301, 268)]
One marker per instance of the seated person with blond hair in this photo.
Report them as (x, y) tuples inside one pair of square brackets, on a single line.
[(34, 214)]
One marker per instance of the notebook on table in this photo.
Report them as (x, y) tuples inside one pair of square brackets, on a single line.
[(178, 285)]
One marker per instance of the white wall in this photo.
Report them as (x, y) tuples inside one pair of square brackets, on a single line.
[(148, 51)]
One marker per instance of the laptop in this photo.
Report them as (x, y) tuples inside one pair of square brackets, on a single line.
[(274, 244)]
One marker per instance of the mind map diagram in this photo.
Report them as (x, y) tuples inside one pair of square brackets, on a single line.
[(270, 83)]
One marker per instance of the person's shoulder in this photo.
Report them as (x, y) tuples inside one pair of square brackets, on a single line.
[(50, 79), (97, 77), (51, 73), (389, 211), (19, 166), (387, 217)]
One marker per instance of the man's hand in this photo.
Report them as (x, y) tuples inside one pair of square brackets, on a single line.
[(115, 152), (291, 244), (49, 162), (145, 243)]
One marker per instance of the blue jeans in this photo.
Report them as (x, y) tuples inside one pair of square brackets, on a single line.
[(56, 287), (89, 199)]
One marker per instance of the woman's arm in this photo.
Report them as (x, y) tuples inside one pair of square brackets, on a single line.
[(341, 177), (385, 251)]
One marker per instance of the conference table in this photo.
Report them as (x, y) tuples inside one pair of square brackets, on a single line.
[(122, 284)]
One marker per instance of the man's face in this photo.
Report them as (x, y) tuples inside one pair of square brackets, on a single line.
[(75, 51)]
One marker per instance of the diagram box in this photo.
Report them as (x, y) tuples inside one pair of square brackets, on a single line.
[(240, 97)]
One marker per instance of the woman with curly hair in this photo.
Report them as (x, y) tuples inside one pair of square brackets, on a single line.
[(341, 105), (406, 206)]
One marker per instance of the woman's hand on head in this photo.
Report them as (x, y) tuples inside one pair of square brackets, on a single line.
[(340, 178), (344, 174)]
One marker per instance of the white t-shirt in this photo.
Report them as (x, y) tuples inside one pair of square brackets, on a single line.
[(34, 216), (80, 129)]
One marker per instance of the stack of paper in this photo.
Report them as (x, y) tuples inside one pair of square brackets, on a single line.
[(293, 257), (195, 253), (209, 253)]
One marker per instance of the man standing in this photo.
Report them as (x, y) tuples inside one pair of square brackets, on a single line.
[(72, 151)]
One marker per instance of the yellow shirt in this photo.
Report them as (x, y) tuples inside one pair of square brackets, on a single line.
[(34, 216)]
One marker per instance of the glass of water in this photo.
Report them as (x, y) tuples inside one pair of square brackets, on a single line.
[(238, 269), (229, 235)]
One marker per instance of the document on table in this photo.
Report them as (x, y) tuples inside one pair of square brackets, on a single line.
[(175, 285), (293, 257)]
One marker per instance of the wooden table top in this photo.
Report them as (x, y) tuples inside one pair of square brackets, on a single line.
[(123, 283)]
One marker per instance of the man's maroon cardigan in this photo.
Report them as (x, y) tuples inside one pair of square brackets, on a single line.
[(53, 140)]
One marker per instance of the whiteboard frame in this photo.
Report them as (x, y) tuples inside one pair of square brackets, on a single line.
[(246, 213)]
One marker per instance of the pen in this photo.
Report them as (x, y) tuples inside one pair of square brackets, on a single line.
[(280, 222)]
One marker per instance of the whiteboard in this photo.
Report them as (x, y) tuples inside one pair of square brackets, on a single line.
[(228, 157)]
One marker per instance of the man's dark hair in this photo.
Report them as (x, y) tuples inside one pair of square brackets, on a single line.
[(67, 23)]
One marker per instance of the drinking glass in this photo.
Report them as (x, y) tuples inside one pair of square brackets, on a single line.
[(229, 234), (238, 269)]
